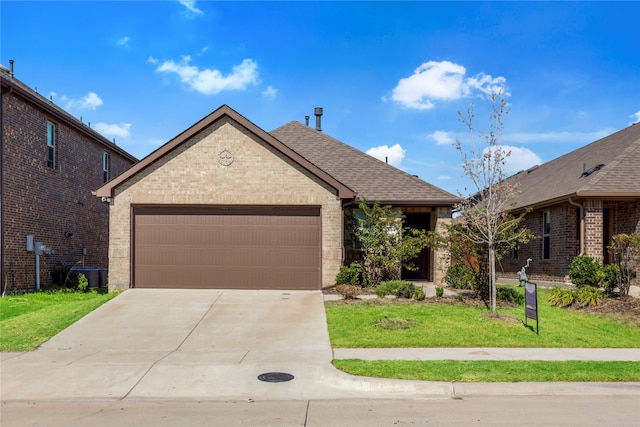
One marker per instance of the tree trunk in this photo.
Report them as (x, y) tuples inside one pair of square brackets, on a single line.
[(492, 277)]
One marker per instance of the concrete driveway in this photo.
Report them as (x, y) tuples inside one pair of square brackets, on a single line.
[(202, 344)]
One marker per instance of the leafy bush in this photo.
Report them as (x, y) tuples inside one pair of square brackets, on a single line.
[(459, 276), (419, 294), (561, 297), (350, 275), (83, 283), (509, 294), (389, 287), (406, 290), (439, 292), (610, 274), (585, 271), (588, 295), (348, 291)]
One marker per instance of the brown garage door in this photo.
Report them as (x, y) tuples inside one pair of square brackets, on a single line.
[(227, 248)]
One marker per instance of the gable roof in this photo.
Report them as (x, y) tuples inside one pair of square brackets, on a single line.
[(605, 168), (10, 84), (222, 112), (369, 177)]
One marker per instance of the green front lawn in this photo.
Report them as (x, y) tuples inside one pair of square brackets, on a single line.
[(357, 325), (28, 320)]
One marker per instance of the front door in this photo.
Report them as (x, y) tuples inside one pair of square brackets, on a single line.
[(423, 260)]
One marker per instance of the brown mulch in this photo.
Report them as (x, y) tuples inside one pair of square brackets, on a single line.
[(624, 306)]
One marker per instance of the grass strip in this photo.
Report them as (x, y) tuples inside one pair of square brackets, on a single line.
[(27, 321), (493, 370)]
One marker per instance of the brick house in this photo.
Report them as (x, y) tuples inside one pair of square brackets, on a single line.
[(578, 202), (50, 164), (227, 204)]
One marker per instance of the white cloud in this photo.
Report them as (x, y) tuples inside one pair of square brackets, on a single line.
[(441, 137), (443, 81), (270, 92), (519, 159), (444, 178), (211, 81), (124, 41), (393, 154), (91, 101), (635, 117), (152, 60), (121, 130), (191, 6)]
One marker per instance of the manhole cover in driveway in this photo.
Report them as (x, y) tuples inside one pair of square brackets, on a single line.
[(275, 377)]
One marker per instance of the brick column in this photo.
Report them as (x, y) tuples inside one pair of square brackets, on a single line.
[(441, 257), (594, 232)]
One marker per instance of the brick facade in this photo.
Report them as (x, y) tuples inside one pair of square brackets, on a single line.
[(602, 219), (47, 203), (192, 175)]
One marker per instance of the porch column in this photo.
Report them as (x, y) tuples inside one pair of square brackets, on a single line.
[(441, 257), (594, 233)]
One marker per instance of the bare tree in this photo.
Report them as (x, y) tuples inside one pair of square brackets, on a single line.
[(485, 213)]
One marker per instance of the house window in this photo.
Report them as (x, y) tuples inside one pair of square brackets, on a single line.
[(546, 235), (105, 167), (51, 145)]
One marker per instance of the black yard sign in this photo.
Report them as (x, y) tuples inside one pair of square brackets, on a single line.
[(531, 303)]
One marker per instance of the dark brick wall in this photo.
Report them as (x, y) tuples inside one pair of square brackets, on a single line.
[(46, 202), (565, 244)]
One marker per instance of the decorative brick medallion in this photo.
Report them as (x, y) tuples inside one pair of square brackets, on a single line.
[(225, 158)]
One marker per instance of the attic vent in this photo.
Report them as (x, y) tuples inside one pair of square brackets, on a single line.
[(531, 169), (592, 170)]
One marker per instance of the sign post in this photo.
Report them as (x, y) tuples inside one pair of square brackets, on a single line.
[(531, 303)]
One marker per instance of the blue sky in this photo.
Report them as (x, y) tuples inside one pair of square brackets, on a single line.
[(391, 76)]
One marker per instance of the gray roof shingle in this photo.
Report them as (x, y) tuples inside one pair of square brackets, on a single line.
[(563, 177), (369, 177)]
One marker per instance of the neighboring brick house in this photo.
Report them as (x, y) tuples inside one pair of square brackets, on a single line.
[(51, 162), (578, 202), (226, 204)]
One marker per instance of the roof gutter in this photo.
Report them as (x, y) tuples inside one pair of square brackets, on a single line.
[(582, 224)]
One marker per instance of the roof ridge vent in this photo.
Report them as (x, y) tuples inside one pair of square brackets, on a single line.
[(592, 170)]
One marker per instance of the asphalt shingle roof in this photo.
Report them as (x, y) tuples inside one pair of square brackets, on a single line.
[(369, 177), (564, 176)]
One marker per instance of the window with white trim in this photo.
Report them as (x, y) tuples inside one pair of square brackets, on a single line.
[(106, 167), (51, 145), (546, 235)]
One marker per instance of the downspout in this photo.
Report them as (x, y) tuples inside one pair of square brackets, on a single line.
[(579, 206), (3, 271)]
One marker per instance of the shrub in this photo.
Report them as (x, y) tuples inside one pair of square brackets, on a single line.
[(83, 283), (389, 287), (585, 271), (439, 292), (348, 291), (587, 295), (406, 290), (350, 275), (610, 274), (509, 294), (459, 276), (419, 294), (561, 297)]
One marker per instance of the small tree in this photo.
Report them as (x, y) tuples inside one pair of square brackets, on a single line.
[(485, 215), (386, 246), (626, 255)]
